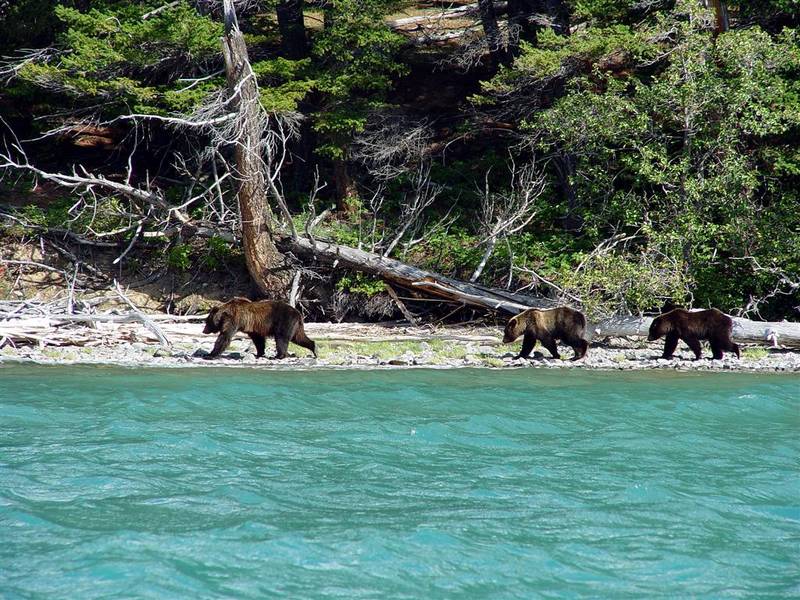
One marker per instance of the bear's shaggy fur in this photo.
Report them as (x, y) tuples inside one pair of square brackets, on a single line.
[(258, 320), (547, 326), (691, 327)]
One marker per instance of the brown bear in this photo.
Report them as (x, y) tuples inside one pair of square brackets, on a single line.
[(258, 320), (547, 326), (691, 327)]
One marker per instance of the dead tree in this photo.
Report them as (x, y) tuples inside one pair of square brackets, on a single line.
[(503, 215), (414, 204), (721, 22), (494, 37), (293, 31), (264, 262)]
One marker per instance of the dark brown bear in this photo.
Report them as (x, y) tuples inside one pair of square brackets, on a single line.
[(691, 327), (547, 326), (258, 320)]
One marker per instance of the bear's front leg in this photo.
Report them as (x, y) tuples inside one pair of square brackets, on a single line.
[(223, 341), (259, 342), (528, 342), (694, 344), (669, 345)]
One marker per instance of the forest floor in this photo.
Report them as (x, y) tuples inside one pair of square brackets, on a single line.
[(356, 345)]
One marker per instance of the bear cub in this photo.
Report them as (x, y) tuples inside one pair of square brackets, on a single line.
[(691, 327), (258, 320), (547, 326)]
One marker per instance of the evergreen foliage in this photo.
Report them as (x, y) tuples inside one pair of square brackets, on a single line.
[(670, 150)]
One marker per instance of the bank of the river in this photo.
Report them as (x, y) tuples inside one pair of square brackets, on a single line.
[(370, 346)]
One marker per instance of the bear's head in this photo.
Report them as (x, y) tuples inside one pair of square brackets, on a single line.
[(659, 327), (514, 328), (213, 321)]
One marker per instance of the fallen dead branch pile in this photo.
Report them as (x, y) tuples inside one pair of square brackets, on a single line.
[(58, 323)]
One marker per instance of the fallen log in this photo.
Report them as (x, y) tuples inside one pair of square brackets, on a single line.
[(410, 277), (776, 334), (433, 28), (433, 19)]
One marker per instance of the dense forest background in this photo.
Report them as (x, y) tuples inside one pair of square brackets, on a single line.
[(615, 155)]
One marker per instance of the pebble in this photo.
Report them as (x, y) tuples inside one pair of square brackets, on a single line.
[(615, 357)]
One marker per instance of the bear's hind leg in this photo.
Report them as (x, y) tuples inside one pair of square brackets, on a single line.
[(733, 347), (301, 339), (528, 342), (281, 345), (580, 347)]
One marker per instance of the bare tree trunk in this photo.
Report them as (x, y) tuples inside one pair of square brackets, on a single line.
[(744, 330), (484, 259), (494, 39), (345, 189), (410, 277), (264, 261), (292, 28), (565, 171), (720, 9)]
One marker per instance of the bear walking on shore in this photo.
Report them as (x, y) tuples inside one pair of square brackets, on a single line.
[(691, 327), (547, 326), (258, 320)]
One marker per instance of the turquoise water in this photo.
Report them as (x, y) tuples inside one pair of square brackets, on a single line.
[(236, 483)]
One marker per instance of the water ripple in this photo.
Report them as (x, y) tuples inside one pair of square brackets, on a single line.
[(467, 484)]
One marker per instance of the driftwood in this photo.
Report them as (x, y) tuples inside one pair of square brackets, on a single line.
[(433, 28), (142, 317), (413, 278), (406, 313)]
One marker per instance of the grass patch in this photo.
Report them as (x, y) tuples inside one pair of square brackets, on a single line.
[(755, 353), (441, 349), (494, 362), (380, 350), (447, 349), (53, 353)]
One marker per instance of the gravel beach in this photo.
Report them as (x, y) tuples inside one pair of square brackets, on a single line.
[(374, 346)]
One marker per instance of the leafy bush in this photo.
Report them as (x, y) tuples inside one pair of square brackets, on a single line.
[(359, 283), (178, 257)]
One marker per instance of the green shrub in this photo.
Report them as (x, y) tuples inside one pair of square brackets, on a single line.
[(218, 252), (359, 283), (178, 257)]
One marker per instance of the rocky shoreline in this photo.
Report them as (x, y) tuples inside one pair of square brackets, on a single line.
[(375, 346)]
